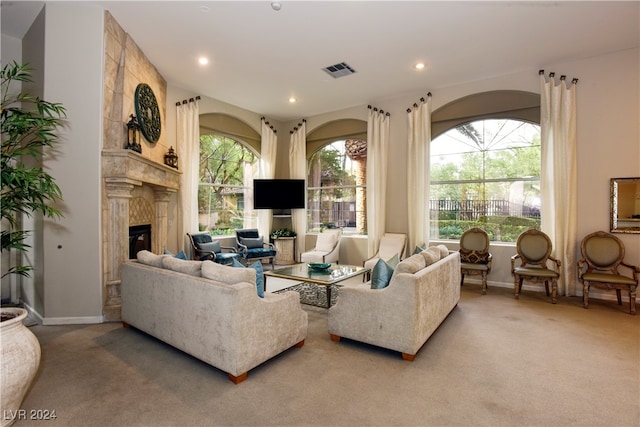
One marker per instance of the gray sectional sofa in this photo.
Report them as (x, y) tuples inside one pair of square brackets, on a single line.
[(218, 318), (423, 290)]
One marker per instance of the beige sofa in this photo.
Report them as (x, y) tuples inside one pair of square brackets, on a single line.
[(403, 315), (225, 325)]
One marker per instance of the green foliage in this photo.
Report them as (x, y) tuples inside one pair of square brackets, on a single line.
[(503, 229), (29, 125), (283, 232)]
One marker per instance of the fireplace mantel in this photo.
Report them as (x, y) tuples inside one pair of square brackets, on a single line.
[(129, 165), (123, 171)]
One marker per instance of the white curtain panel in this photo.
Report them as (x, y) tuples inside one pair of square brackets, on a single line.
[(269, 146), (559, 175), (418, 162), (298, 170), (377, 156), (188, 142)]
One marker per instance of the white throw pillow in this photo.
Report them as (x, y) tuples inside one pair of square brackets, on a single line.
[(149, 258), (444, 251), (182, 266), (325, 242), (431, 255), (410, 265), (227, 274)]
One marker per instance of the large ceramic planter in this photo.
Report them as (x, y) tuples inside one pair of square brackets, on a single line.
[(19, 363)]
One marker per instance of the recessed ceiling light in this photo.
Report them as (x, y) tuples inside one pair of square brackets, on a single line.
[(420, 66), (204, 9), (203, 60), (292, 100), (276, 5)]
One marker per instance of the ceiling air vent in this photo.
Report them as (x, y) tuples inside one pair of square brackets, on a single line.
[(339, 70)]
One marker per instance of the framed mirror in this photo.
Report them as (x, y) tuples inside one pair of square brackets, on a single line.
[(625, 205)]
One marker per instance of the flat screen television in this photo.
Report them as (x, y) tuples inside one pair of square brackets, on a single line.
[(278, 194)]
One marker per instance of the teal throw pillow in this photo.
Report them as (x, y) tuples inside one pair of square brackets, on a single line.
[(210, 247), (419, 249), (257, 266), (179, 255), (393, 261), (252, 243), (381, 275)]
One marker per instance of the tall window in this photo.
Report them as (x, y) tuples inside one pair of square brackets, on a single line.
[(486, 174), (225, 191), (336, 187)]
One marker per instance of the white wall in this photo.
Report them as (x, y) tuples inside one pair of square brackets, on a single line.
[(72, 246)]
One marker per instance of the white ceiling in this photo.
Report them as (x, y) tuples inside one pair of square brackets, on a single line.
[(259, 57)]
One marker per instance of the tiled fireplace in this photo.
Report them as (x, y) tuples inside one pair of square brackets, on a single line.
[(137, 191)]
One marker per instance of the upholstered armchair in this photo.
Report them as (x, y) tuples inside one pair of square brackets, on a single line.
[(327, 247), (205, 248), (475, 258), (602, 255), (532, 262), (252, 247), (390, 244)]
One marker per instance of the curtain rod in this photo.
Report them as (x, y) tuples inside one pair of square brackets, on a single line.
[(381, 111), (295, 128), (415, 104), (184, 101), (267, 123), (562, 77)]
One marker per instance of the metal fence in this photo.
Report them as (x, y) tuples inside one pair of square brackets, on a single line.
[(472, 210)]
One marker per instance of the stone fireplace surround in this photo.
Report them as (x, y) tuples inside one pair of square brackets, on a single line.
[(127, 173)]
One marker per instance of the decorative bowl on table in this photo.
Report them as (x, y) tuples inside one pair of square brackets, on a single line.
[(319, 266)]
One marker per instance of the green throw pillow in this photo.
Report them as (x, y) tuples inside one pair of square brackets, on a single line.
[(257, 266), (381, 274), (419, 249)]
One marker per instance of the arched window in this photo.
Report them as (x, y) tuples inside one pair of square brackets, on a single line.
[(336, 187), (486, 173), (225, 191)]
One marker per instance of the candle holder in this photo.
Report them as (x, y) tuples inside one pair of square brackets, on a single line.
[(171, 158), (133, 135)]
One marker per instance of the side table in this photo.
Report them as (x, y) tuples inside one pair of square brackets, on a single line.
[(285, 250)]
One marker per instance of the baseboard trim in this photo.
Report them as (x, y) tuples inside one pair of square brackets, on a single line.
[(50, 321), (594, 293)]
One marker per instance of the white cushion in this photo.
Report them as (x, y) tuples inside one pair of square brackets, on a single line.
[(149, 258), (182, 266), (325, 242), (227, 274)]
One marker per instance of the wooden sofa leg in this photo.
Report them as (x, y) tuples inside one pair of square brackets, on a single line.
[(335, 338), (300, 344), (409, 357), (125, 325), (239, 378)]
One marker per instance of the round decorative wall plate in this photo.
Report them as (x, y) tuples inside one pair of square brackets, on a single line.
[(147, 112)]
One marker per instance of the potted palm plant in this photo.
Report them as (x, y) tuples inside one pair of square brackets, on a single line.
[(28, 125)]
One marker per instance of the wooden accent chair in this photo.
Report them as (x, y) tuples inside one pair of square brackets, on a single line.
[(602, 254), (205, 248), (534, 253), (475, 258), (252, 247)]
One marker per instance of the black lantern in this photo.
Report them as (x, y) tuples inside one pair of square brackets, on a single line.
[(171, 158), (133, 135)]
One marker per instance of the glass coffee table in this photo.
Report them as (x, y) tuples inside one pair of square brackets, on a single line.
[(333, 275)]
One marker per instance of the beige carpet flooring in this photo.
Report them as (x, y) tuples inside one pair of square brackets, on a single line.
[(495, 361)]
